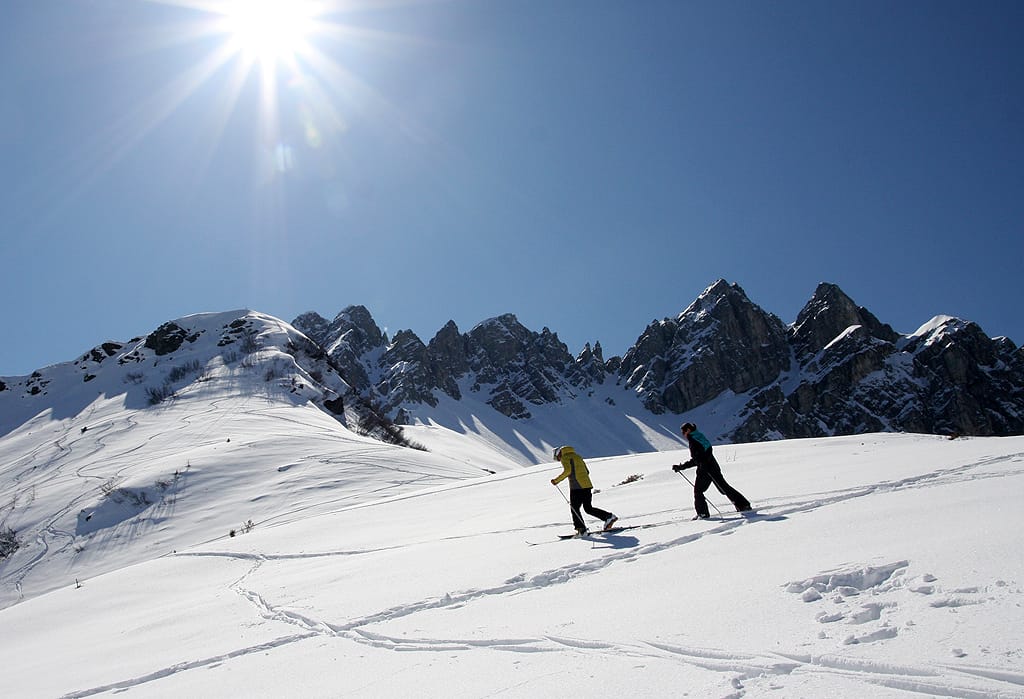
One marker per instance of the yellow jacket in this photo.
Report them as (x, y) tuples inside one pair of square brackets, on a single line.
[(575, 469)]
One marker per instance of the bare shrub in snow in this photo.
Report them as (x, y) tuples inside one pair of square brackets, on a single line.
[(8, 541)]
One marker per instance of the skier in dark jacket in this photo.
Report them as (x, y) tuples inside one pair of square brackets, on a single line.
[(708, 472)]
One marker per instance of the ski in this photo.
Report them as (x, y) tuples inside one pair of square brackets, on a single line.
[(750, 515), (567, 537), (613, 530)]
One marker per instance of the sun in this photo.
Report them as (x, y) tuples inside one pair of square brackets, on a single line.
[(268, 30), (282, 57)]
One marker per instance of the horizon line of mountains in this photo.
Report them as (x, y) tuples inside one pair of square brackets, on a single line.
[(836, 370)]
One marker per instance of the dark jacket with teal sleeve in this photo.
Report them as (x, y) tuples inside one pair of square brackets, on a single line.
[(700, 448)]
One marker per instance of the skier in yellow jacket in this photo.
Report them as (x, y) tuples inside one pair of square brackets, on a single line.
[(580, 489)]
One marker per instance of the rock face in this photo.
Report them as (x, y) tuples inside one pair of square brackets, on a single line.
[(722, 342), (512, 366), (348, 339), (836, 370), (724, 362), (947, 378)]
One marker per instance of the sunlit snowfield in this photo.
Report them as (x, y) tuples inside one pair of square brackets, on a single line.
[(876, 565)]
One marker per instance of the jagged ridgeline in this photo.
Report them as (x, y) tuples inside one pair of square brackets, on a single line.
[(736, 369), (251, 351), (836, 370)]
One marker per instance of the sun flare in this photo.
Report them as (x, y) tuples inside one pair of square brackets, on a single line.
[(281, 59), (269, 30)]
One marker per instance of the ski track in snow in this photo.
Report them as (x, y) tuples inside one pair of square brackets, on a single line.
[(887, 586), (41, 468), (45, 466)]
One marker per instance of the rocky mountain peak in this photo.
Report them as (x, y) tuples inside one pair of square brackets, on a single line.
[(314, 326), (347, 339), (356, 327), (836, 370), (589, 354), (828, 314), (710, 298), (520, 366), (590, 366), (449, 353), (501, 338), (405, 372), (353, 327), (728, 306), (721, 342)]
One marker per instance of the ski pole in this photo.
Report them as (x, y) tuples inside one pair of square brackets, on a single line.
[(567, 503), (562, 494), (705, 497)]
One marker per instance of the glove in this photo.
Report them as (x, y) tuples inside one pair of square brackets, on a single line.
[(678, 467), (554, 481)]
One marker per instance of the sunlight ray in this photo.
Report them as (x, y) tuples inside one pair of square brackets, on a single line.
[(224, 107), (135, 125), (100, 154), (305, 96)]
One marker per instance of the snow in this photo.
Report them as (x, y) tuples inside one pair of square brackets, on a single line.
[(841, 336), (608, 419), (936, 323), (880, 565)]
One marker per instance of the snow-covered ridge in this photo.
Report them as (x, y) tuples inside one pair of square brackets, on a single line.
[(937, 326), (837, 370)]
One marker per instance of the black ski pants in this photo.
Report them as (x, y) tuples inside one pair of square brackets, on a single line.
[(581, 497), (708, 472)]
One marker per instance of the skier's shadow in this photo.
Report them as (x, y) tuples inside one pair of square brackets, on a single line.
[(615, 541)]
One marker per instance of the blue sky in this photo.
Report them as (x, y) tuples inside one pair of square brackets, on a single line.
[(585, 164)]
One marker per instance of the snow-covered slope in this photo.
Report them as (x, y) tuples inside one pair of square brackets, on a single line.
[(120, 457), (200, 513), (878, 565), (109, 459)]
